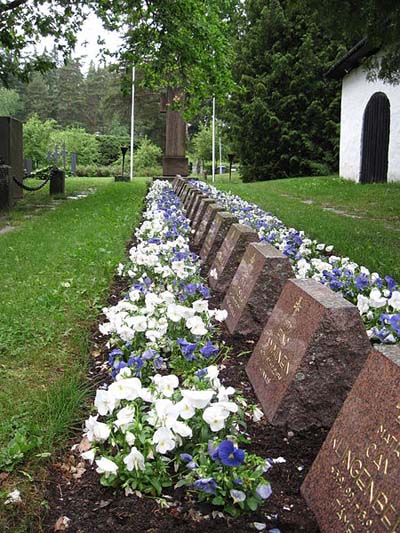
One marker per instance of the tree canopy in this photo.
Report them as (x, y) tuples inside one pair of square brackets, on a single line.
[(377, 20), (23, 23)]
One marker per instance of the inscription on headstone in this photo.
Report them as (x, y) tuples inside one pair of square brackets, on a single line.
[(215, 237), (205, 224), (255, 288), (192, 201), (308, 356), (229, 256), (353, 485)]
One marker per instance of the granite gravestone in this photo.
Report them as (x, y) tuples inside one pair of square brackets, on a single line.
[(229, 256), (174, 161), (188, 197), (215, 237), (199, 215), (193, 198), (73, 163), (308, 356), (11, 152), (195, 206), (353, 485), (205, 224), (255, 288)]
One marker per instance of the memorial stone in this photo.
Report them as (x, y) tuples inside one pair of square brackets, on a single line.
[(353, 485), (73, 163), (188, 195), (215, 237), (229, 256), (205, 224), (191, 201), (193, 210), (255, 288), (308, 356), (11, 152), (199, 216)]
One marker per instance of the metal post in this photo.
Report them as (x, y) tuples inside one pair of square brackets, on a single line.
[(220, 153), (213, 140), (132, 121)]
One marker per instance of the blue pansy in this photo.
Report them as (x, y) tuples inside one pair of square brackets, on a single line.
[(229, 455), (209, 350), (264, 491), (207, 485)]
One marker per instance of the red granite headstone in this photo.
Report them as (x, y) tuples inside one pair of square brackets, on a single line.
[(353, 485), (201, 212), (255, 288), (228, 257), (196, 205), (215, 237), (192, 202), (308, 356), (205, 224)]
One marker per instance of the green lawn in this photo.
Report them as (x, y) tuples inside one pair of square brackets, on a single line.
[(55, 271), (372, 239)]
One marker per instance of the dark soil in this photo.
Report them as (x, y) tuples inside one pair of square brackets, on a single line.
[(91, 507)]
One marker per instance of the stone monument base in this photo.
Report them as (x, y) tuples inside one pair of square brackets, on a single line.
[(173, 165)]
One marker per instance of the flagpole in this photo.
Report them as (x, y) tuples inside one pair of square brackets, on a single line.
[(213, 140), (132, 121)]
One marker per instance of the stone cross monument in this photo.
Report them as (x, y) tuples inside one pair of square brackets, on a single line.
[(174, 161)]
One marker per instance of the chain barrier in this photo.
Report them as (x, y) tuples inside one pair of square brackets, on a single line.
[(33, 189)]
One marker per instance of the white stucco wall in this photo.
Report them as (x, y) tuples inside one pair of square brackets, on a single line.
[(356, 92)]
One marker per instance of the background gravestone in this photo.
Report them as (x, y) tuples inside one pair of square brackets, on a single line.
[(308, 356), (11, 152), (174, 161), (28, 166), (255, 288), (73, 163), (353, 484), (229, 256), (193, 210), (205, 224), (215, 237), (201, 210)]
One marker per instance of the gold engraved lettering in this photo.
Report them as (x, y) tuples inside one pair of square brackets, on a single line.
[(398, 416), (297, 306)]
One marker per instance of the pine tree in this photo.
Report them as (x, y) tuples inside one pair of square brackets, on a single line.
[(285, 118)]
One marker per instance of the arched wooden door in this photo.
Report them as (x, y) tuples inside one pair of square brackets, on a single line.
[(375, 140)]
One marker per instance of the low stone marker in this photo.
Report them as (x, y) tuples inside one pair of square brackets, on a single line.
[(229, 256), (255, 288), (353, 485), (189, 196), (308, 356), (215, 237), (205, 224), (199, 215), (193, 211), (196, 194)]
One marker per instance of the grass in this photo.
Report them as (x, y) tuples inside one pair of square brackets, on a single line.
[(55, 270), (324, 208)]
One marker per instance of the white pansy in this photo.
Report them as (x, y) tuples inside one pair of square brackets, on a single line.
[(173, 312), (126, 389), (135, 460), (124, 417), (106, 466), (363, 304), (394, 301), (257, 415), (237, 495), (130, 438), (215, 417), (164, 438), (376, 300), (186, 409), (89, 456), (105, 402), (220, 315), (199, 399), (196, 325), (166, 384), (96, 431), (199, 306)]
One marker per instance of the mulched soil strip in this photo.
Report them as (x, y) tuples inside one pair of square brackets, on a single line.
[(94, 508)]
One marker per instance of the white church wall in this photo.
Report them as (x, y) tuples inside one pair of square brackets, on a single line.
[(356, 92)]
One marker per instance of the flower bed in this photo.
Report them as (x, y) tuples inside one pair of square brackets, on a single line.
[(166, 419), (377, 298)]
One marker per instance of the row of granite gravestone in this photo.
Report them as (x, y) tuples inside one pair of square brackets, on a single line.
[(313, 366)]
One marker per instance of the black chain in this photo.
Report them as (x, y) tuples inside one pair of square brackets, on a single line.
[(33, 189)]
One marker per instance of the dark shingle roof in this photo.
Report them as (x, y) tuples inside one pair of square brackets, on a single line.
[(352, 59)]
